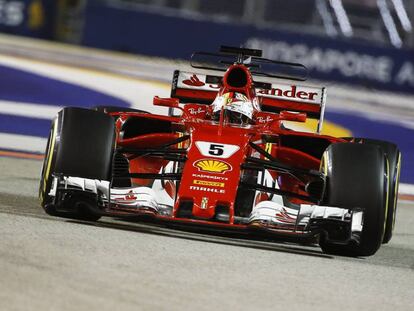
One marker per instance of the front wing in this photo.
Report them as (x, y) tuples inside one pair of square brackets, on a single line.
[(339, 225)]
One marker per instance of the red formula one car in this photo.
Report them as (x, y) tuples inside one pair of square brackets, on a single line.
[(225, 159)]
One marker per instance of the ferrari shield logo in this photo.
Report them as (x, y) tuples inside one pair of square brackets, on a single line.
[(204, 202)]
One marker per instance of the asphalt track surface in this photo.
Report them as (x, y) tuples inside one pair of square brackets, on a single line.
[(51, 263)]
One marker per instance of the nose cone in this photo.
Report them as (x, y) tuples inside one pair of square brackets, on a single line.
[(212, 171)]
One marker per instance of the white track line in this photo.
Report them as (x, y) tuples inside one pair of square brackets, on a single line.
[(406, 189), (29, 110), (22, 143), (136, 92)]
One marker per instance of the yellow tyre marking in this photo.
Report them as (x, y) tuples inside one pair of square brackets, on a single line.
[(324, 164), (49, 156), (397, 182), (387, 198)]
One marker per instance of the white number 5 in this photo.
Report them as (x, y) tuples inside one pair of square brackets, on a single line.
[(216, 150)]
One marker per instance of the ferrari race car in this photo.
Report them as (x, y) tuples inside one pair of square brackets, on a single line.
[(226, 157)]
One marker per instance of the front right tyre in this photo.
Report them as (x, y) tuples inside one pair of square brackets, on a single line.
[(357, 176), (393, 155)]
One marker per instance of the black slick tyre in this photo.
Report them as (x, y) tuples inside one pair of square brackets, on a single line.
[(357, 177), (393, 155), (80, 144), (245, 197)]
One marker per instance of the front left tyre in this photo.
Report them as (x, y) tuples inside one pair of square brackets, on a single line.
[(80, 144)]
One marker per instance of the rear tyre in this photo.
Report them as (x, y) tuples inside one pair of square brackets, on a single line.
[(357, 176), (245, 197), (80, 144)]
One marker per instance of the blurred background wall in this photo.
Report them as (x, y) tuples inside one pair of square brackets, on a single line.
[(361, 42)]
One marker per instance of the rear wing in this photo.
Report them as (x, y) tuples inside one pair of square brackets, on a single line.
[(274, 97)]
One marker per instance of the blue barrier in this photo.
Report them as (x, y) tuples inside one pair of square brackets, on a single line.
[(390, 130), (172, 37)]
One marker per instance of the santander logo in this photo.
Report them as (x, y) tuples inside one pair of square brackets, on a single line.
[(291, 92), (194, 81)]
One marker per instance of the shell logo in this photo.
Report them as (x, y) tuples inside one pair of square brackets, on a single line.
[(212, 166)]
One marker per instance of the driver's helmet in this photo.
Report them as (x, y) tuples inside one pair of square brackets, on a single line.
[(237, 108)]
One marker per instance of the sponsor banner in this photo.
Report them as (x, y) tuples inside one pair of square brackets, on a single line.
[(385, 69), (34, 18), (348, 61)]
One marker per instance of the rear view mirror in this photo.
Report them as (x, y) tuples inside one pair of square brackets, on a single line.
[(166, 102), (292, 116)]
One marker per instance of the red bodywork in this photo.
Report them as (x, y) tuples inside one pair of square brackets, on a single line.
[(211, 181)]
